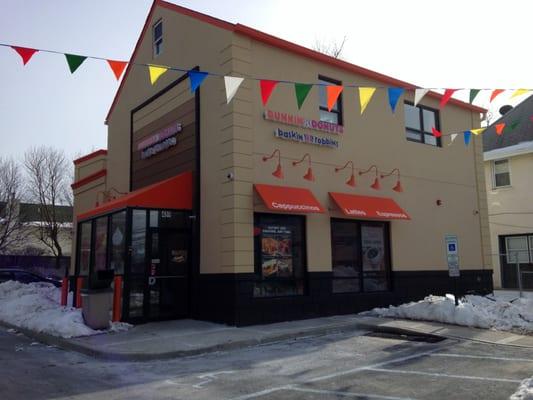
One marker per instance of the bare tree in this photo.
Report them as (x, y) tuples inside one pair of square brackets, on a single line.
[(49, 186), (10, 193), (332, 48)]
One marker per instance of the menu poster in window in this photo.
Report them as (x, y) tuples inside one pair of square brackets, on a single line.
[(373, 244), (276, 252)]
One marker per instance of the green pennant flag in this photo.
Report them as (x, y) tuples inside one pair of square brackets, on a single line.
[(473, 94), (74, 61), (514, 124), (302, 90)]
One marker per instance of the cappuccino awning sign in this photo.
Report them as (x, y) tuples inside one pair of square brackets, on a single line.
[(161, 135), (296, 120), (370, 207), (288, 199)]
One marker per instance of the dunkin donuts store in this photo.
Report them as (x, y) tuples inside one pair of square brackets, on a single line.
[(253, 211)]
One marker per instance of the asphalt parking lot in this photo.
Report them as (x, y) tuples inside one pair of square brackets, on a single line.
[(358, 365)]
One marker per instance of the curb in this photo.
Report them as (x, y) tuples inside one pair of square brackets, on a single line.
[(69, 344)]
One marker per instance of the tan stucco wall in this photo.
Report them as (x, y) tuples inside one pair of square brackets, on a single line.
[(91, 166), (234, 137), (509, 205)]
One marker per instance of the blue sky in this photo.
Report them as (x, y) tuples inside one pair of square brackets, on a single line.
[(432, 44)]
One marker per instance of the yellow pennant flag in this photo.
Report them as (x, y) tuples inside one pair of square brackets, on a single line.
[(365, 94), (156, 72), (477, 131), (519, 92)]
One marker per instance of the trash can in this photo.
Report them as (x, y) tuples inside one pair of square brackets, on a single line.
[(97, 301)]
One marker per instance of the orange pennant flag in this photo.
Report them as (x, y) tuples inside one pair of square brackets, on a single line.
[(333, 92), (117, 67), (495, 93), (499, 128)]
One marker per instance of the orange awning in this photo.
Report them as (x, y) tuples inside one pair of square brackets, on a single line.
[(289, 199), (174, 193), (368, 207)]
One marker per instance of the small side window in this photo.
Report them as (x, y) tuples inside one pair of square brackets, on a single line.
[(501, 175), (333, 116), (157, 34)]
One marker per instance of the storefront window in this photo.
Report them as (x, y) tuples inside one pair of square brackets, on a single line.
[(85, 248), (118, 242), (174, 219), (100, 244), (359, 250), (138, 241), (154, 219), (279, 247)]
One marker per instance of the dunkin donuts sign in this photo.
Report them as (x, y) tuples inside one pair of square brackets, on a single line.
[(162, 140)]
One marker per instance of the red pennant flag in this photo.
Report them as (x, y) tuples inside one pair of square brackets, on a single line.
[(499, 128), (25, 52), (266, 89), (446, 96), (117, 67), (495, 93), (333, 92), (436, 132)]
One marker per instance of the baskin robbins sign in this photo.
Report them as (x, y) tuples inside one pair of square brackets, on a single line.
[(296, 136), (160, 141)]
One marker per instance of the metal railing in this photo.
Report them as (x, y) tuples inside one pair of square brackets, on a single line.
[(516, 260)]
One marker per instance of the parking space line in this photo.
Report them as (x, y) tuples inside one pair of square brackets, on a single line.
[(349, 394), (440, 375), (482, 357)]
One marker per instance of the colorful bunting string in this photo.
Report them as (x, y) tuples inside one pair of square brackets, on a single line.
[(365, 94), (74, 61), (499, 128), (446, 97), (117, 67), (332, 93), (436, 132), (196, 78), (394, 96), (156, 72), (25, 53), (495, 93), (419, 94), (232, 84), (473, 94), (267, 86), (467, 136), (301, 90)]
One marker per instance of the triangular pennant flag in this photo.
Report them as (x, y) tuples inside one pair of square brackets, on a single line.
[(267, 86), (477, 131), (196, 78), (453, 136), (25, 53), (499, 128), (446, 96), (365, 94), (74, 61), (332, 92), (156, 72), (519, 92), (419, 93), (514, 124), (394, 96), (301, 90), (495, 93), (436, 132), (467, 136), (232, 83), (473, 94), (117, 67)]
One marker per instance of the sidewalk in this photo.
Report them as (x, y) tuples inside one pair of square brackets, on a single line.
[(181, 338)]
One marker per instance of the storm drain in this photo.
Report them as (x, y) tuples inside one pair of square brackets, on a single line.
[(406, 337)]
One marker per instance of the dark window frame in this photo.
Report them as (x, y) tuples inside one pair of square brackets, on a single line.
[(257, 256), (157, 42), (494, 180), (339, 112), (421, 131), (358, 225)]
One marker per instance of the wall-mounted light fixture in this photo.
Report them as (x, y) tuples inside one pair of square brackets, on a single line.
[(376, 185), (309, 174), (398, 187), (351, 180), (278, 173)]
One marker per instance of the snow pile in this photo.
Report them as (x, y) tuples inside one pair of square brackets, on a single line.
[(524, 391), (35, 306), (473, 311)]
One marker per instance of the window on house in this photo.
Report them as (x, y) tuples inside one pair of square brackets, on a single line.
[(518, 248), (502, 177), (360, 256), (279, 252), (157, 33), (335, 115), (418, 123)]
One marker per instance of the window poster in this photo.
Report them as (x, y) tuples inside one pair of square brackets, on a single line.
[(276, 252), (373, 246)]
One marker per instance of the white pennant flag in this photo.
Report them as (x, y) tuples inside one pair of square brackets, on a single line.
[(232, 84), (453, 136), (419, 93)]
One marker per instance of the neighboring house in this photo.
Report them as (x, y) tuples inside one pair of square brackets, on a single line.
[(31, 221), (508, 173), (242, 214)]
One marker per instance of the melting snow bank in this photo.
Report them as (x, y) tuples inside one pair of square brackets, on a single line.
[(473, 311), (524, 391), (35, 306)]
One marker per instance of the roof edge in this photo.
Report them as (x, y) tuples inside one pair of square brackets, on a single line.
[(89, 178), (100, 152)]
